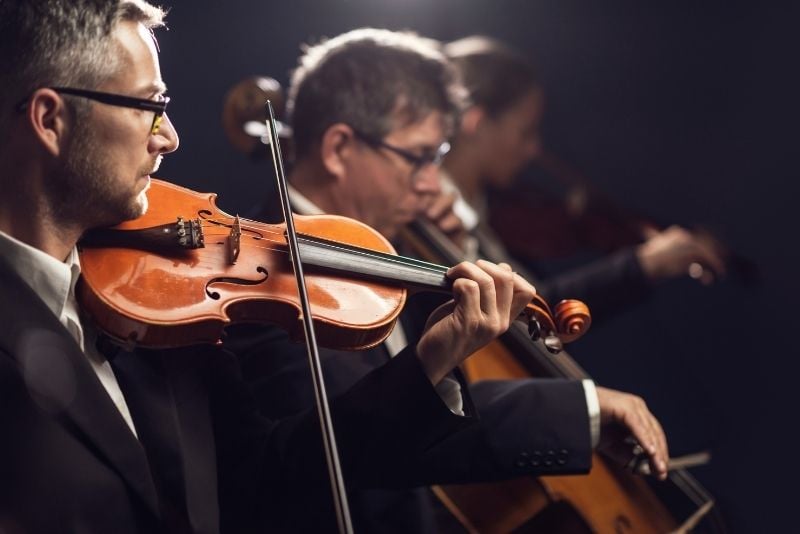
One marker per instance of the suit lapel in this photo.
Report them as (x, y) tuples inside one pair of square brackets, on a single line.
[(62, 381)]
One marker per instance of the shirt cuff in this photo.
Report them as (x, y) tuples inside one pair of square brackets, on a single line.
[(593, 407), (449, 390)]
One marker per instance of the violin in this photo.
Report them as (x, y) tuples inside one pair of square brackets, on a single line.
[(609, 498), (180, 273), (583, 219)]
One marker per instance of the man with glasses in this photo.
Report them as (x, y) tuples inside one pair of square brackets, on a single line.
[(100, 440), (371, 112), (158, 106)]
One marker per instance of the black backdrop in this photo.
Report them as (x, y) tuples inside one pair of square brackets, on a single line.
[(677, 110)]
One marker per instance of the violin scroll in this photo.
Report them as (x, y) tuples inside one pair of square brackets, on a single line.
[(570, 321)]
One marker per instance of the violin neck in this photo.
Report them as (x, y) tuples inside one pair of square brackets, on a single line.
[(372, 265)]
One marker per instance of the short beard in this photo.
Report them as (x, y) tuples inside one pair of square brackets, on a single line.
[(85, 194)]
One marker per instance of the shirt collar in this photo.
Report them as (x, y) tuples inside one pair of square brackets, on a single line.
[(301, 204), (54, 281), (470, 216)]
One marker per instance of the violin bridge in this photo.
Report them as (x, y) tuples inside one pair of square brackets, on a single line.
[(234, 240)]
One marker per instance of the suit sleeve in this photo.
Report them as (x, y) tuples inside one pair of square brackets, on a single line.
[(384, 424), (526, 427), (607, 285)]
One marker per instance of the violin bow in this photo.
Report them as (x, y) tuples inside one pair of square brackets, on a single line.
[(321, 396)]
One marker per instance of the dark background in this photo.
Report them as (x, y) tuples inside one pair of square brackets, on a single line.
[(677, 110)]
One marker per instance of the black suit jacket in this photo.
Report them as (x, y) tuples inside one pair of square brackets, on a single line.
[(608, 285), (520, 421), (69, 463), (523, 427)]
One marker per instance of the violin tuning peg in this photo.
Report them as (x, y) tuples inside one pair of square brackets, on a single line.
[(534, 329), (553, 344)]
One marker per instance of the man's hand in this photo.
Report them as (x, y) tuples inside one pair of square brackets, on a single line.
[(623, 415), (486, 298), (677, 252)]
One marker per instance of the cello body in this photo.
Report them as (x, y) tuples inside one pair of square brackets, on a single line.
[(608, 499)]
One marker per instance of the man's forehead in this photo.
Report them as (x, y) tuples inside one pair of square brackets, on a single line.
[(137, 49), (430, 128)]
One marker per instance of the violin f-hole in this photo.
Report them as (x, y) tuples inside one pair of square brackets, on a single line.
[(234, 280)]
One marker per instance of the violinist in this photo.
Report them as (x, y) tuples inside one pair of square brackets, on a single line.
[(371, 111), (101, 439), (499, 135)]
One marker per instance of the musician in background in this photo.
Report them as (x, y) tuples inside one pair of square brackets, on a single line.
[(498, 136), (371, 111)]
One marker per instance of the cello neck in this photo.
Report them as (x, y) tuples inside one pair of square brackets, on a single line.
[(429, 242)]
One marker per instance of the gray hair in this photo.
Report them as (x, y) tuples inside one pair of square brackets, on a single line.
[(61, 43), (371, 78)]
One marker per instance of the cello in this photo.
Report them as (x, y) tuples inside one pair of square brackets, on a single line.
[(608, 499)]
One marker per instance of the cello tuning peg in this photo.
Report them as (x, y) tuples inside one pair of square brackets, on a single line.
[(553, 344)]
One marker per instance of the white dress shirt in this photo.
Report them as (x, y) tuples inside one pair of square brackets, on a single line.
[(54, 281)]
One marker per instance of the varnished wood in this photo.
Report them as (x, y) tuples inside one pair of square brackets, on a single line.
[(608, 499), (162, 300)]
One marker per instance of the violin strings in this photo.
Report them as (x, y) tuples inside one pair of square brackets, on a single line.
[(396, 260), (269, 235), (253, 243), (375, 255)]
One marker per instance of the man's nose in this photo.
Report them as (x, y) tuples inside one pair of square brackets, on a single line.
[(426, 179), (166, 139)]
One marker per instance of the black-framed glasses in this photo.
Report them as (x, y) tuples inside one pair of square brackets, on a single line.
[(417, 161), (159, 107)]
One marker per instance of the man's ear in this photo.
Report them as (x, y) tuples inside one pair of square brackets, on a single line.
[(335, 149), (472, 120), (47, 114)]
